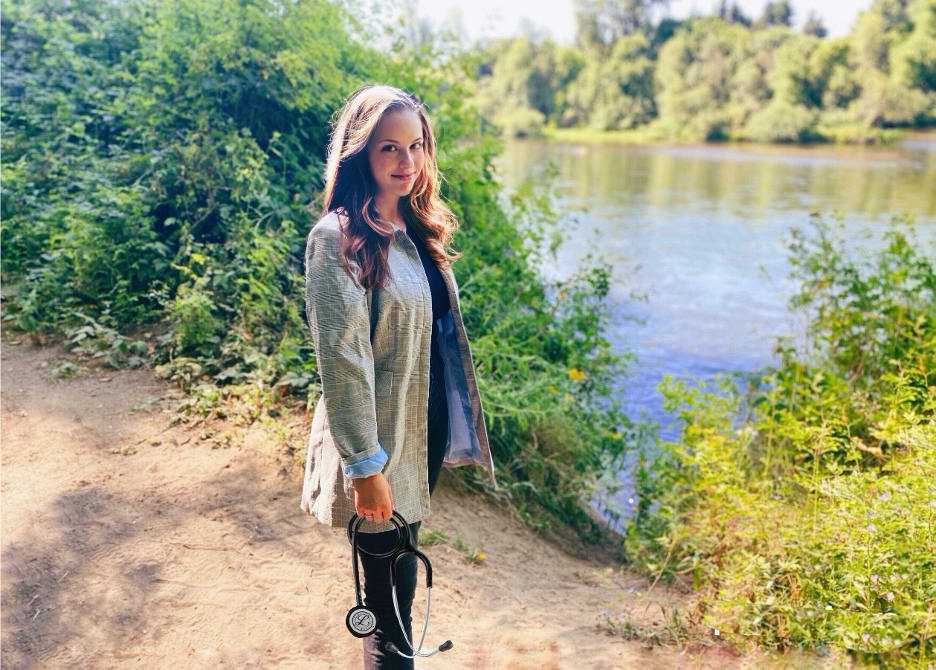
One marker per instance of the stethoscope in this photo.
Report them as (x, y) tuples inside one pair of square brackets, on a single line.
[(362, 621)]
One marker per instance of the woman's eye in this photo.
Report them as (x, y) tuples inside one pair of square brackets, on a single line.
[(388, 147)]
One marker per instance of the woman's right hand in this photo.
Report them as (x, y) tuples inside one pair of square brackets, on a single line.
[(373, 498)]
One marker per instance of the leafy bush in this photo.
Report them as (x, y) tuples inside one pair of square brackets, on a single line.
[(519, 122), (802, 508), (780, 122), (193, 319), (707, 126), (886, 103), (160, 162)]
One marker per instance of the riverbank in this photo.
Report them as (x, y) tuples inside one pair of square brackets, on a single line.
[(838, 136), (129, 542)]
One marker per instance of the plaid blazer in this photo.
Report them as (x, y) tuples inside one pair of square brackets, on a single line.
[(372, 353)]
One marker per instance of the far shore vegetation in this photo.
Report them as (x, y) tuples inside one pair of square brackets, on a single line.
[(722, 76), (883, 136)]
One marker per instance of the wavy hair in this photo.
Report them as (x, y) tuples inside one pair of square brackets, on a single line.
[(350, 188)]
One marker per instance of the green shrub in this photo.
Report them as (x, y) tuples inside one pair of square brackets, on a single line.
[(707, 126), (885, 102), (802, 508), (780, 122), (193, 319), (520, 122)]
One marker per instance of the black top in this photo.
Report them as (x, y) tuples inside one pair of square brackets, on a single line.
[(440, 299)]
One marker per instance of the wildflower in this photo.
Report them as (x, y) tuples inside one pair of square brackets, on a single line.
[(884, 495), (865, 637), (577, 374), (870, 527), (631, 501), (716, 632), (828, 607), (874, 577), (889, 596)]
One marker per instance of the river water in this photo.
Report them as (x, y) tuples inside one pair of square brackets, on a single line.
[(696, 239)]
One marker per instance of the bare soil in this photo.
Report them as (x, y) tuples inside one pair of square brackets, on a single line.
[(130, 542)]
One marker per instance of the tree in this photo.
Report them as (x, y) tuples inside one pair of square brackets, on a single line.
[(870, 42), (776, 13), (599, 23), (732, 13), (814, 25), (693, 76), (615, 92), (914, 58), (893, 13)]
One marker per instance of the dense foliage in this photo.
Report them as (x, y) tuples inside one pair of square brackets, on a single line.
[(803, 508), (717, 77), (160, 163)]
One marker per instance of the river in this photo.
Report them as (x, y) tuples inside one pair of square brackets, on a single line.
[(699, 231)]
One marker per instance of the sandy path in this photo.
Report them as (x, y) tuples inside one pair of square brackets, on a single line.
[(171, 552)]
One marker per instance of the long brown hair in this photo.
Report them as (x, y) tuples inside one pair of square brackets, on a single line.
[(350, 188)]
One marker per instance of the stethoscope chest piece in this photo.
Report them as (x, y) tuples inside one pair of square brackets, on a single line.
[(361, 621)]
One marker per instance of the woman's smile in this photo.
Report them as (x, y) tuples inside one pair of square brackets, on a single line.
[(396, 154)]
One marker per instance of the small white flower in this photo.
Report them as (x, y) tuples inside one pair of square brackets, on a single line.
[(716, 631)]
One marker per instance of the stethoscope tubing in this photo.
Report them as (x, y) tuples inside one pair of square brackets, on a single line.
[(417, 650)]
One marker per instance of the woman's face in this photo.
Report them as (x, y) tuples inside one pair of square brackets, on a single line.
[(395, 152)]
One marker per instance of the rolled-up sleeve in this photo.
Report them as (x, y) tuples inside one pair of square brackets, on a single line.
[(338, 317)]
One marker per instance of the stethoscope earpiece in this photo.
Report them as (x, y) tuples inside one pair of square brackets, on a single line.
[(363, 622)]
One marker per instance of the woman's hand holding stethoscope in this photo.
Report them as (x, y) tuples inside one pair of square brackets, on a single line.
[(362, 621), (373, 498)]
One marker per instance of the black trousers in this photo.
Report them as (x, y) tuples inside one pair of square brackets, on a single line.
[(378, 594)]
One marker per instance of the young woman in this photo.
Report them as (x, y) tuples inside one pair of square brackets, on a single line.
[(399, 395)]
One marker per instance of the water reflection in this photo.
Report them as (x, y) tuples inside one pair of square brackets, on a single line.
[(747, 181)]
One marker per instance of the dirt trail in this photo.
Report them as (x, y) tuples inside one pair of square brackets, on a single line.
[(129, 544)]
